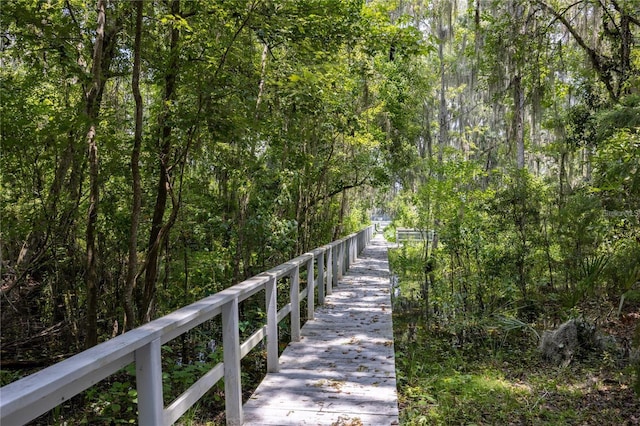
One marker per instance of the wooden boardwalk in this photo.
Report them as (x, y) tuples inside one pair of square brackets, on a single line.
[(342, 372)]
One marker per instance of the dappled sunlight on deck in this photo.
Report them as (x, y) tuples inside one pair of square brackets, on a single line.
[(342, 371)]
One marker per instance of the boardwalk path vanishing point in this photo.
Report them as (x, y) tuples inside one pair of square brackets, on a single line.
[(342, 372)]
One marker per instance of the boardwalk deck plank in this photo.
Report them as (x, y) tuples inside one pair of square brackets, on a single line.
[(342, 372)]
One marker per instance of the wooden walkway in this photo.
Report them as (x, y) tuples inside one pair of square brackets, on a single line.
[(342, 372)]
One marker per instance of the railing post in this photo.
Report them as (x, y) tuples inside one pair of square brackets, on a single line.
[(356, 244), (294, 297), (347, 256), (331, 269), (366, 238), (272, 325), (231, 358), (343, 258), (311, 289), (354, 249), (149, 384), (340, 260), (321, 284), (347, 260)]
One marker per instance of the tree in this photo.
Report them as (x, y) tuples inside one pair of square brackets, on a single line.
[(136, 179), (610, 57)]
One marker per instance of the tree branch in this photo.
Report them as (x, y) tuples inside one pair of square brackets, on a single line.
[(337, 191), (597, 60), (632, 18)]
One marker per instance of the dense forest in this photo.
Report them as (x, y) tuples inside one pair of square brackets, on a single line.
[(154, 152)]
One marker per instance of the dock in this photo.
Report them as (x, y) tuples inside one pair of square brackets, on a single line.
[(342, 371)]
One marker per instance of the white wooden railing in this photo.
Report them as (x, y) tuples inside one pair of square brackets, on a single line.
[(404, 235), (34, 395)]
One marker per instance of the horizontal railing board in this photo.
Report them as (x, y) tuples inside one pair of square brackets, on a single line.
[(411, 234), (282, 313), (37, 393), (253, 341), (181, 404)]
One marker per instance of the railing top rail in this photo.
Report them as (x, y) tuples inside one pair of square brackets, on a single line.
[(57, 383), (79, 371)]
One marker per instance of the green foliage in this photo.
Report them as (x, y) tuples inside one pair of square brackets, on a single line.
[(286, 120), (357, 219), (266, 118), (495, 376), (113, 402), (618, 174), (508, 245)]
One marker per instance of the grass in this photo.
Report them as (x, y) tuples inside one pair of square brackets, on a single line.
[(486, 370), (483, 383)]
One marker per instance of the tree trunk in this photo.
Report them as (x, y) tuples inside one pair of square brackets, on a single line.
[(428, 270), (426, 149), (132, 266), (562, 178), (518, 119), (443, 113), (343, 208), (91, 111), (155, 237), (263, 78), (516, 82)]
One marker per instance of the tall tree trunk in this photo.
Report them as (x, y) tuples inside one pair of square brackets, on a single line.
[(443, 113), (91, 111), (626, 43), (135, 175), (518, 119), (263, 79), (562, 178), (343, 208), (426, 148), (516, 82), (162, 190)]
